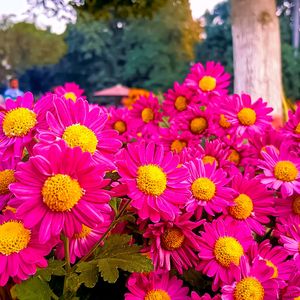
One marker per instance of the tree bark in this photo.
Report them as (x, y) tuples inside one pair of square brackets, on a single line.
[(256, 51)]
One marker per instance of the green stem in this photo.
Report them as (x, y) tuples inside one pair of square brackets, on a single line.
[(110, 228), (67, 259)]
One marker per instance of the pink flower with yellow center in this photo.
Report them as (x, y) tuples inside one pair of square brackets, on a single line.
[(84, 240), (254, 283), (118, 119), (154, 181), (173, 243), (58, 189), (20, 251), (281, 170), (177, 100), (79, 126), (7, 177), (195, 121), (146, 114), (208, 80), (221, 247), (17, 125), (292, 292), (247, 118), (285, 207), (70, 91), (208, 188), (292, 127), (276, 258), (253, 204), (155, 286)]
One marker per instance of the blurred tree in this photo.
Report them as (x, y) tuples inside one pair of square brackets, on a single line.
[(217, 44), (148, 53), (23, 46)]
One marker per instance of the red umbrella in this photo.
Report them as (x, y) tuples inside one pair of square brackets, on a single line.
[(117, 90)]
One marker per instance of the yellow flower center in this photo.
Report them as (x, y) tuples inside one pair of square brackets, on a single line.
[(14, 237), (61, 192), (70, 95), (243, 207), (80, 136), (18, 122), (178, 145), (223, 122), (120, 126), (270, 264), (151, 180), (296, 205), (157, 295), (247, 116), (249, 288), (203, 189), (207, 83), (85, 231), (285, 170), (207, 159), (297, 298), (147, 115), (198, 125), (180, 103), (228, 250), (234, 157), (6, 178), (297, 129), (172, 239)]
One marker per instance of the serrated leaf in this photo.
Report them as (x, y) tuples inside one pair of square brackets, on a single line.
[(118, 254), (55, 267), (88, 273), (32, 289)]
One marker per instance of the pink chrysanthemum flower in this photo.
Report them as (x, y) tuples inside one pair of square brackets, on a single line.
[(17, 125), (208, 188), (70, 91), (276, 258), (208, 80), (252, 206), (221, 247), (173, 242), (154, 286), (7, 176), (20, 251), (58, 190), (291, 239), (247, 118), (292, 126), (81, 127), (146, 113), (174, 140), (281, 170), (253, 283), (154, 181), (285, 207), (177, 100), (196, 121), (83, 241), (214, 151), (118, 119)]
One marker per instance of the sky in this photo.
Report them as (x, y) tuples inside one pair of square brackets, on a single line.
[(19, 7)]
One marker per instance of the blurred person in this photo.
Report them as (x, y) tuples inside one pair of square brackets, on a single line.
[(13, 91)]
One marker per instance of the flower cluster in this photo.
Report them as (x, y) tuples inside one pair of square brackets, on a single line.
[(212, 187)]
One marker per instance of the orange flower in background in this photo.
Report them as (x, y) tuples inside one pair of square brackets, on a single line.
[(133, 96)]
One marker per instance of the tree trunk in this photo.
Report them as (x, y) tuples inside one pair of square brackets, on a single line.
[(256, 51)]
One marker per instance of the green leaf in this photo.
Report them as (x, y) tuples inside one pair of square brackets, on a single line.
[(55, 267), (88, 273), (114, 203), (32, 289), (118, 254)]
